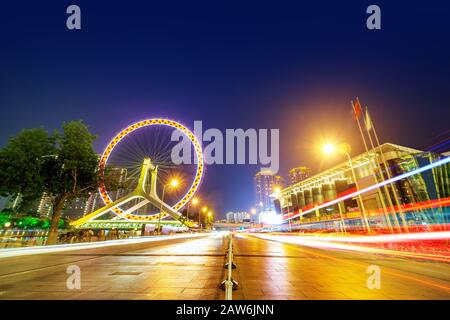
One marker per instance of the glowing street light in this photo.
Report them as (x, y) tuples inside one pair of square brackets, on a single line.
[(253, 211), (277, 189), (204, 210), (328, 148), (173, 183), (210, 218), (193, 202)]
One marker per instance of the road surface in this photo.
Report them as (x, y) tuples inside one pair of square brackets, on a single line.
[(193, 269)]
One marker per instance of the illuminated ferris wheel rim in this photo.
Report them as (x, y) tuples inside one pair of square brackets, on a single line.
[(145, 123)]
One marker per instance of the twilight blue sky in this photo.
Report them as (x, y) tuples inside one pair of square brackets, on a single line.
[(232, 64)]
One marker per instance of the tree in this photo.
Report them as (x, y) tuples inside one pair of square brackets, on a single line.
[(63, 165), (71, 172), (20, 163)]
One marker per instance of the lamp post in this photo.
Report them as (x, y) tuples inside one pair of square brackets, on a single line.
[(210, 215), (328, 149), (204, 209), (173, 184), (194, 202)]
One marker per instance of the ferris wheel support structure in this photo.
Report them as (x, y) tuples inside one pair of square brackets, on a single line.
[(148, 169), (140, 192)]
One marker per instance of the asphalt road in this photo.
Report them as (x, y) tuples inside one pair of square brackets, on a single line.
[(193, 269)]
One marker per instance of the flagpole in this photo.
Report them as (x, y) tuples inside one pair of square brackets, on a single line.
[(386, 167), (383, 204), (368, 122), (356, 183)]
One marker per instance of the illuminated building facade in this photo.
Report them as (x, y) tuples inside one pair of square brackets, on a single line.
[(299, 174), (265, 183), (45, 205), (425, 187)]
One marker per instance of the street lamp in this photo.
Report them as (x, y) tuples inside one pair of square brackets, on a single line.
[(328, 148), (345, 149), (193, 202), (210, 216), (173, 184), (204, 209)]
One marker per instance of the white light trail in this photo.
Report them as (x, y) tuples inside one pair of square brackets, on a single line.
[(349, 247), (375, 186), (438, 235), (13, 252)]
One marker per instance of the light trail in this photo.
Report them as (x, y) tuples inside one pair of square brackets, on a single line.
[(350, 247), (438, 235), (373, 187), (13, 252), (421, 280)]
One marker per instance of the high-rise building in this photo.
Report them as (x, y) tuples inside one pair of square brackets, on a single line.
[(95, 202), (266, 182), (81, 206), (299, 174), (238, 217), (72, 210), (44, 207)]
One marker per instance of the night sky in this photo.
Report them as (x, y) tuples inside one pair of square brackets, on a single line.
[(245, 64)]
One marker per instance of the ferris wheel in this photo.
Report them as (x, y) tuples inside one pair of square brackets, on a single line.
[(140, 157)]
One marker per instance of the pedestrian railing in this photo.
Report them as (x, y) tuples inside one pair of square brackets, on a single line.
[(228, 285)]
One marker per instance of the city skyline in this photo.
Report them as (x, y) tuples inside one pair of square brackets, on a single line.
[(219, 154), (298, 86)]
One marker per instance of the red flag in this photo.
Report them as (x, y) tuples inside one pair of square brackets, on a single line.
[(357, 108)]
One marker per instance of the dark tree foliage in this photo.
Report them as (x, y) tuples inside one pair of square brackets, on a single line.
[(63, 165)]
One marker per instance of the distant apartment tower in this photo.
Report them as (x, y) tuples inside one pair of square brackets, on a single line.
[(45, 206), (238, 217), (72, 210), (299, 174), (94, 201), (266, 183), (81, 206)]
